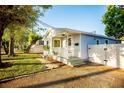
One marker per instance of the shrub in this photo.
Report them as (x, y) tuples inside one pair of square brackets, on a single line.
[(46, 47)]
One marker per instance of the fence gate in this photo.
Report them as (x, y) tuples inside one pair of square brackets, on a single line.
[(110, 55)]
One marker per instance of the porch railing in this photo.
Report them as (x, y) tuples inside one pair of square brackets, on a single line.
[(62, 52)]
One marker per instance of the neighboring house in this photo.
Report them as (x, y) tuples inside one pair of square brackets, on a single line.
[(71, 46), (37, 47)]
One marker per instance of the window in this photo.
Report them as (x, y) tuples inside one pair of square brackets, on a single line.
[(106, 41), (69, 42), (97, 42), (56, 43)]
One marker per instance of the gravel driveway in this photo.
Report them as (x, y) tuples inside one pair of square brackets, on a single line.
[(92, 75)]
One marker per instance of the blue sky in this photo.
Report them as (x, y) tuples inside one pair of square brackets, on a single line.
[(81, 17)]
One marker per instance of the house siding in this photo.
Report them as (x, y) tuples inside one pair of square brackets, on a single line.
[(76, 48)]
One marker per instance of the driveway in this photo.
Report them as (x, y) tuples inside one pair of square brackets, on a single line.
[(92, 75)]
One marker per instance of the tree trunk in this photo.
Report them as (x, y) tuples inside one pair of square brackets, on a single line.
[(28, 49), (1, 34), (0, 48), (5, 45), (11, 44)]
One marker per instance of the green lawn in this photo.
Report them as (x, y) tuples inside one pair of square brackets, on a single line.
[(23, 64)]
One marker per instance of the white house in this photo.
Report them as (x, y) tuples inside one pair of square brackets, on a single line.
[(71, 46)]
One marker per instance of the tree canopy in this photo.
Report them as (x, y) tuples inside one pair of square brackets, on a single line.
[(114, 21), (23, 15)]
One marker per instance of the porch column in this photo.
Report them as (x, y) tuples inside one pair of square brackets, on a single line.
[(67, 45), (51, 45)]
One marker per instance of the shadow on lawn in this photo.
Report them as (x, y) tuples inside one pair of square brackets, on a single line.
[(57, 63), (19, 58), (27, 64), (6, 65), (46, 84), (10, 64)]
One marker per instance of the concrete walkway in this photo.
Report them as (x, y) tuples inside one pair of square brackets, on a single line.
[(92, 75), (50, 64)]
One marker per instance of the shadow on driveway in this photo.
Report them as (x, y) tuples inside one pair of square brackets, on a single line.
[(46, 84)]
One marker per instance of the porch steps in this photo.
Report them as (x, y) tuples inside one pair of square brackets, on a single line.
[(75, 61)]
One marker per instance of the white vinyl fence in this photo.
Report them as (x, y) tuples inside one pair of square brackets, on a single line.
[(110, 55)]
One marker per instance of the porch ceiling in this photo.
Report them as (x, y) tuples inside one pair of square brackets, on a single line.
[(65, 33)]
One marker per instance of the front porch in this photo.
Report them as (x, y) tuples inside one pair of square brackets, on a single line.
[(65, 47), (60, 49), (62, 46)]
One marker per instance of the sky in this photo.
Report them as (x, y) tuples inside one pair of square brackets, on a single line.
[(86, 18)]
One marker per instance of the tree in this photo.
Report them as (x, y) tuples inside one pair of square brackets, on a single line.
[(11, 40), (15, 14), (114, 21), (15, 33), (21, 37), (32, 38), (5, 41)]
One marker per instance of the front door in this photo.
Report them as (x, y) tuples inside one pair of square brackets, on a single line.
[(67, 46), (70, 48)]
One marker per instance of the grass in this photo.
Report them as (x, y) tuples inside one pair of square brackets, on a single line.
[(22, 64)]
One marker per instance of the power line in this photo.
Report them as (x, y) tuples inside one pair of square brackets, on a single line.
[(45, 24)]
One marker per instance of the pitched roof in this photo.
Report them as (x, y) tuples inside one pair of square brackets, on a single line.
[(84, 32), (78, 31)]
